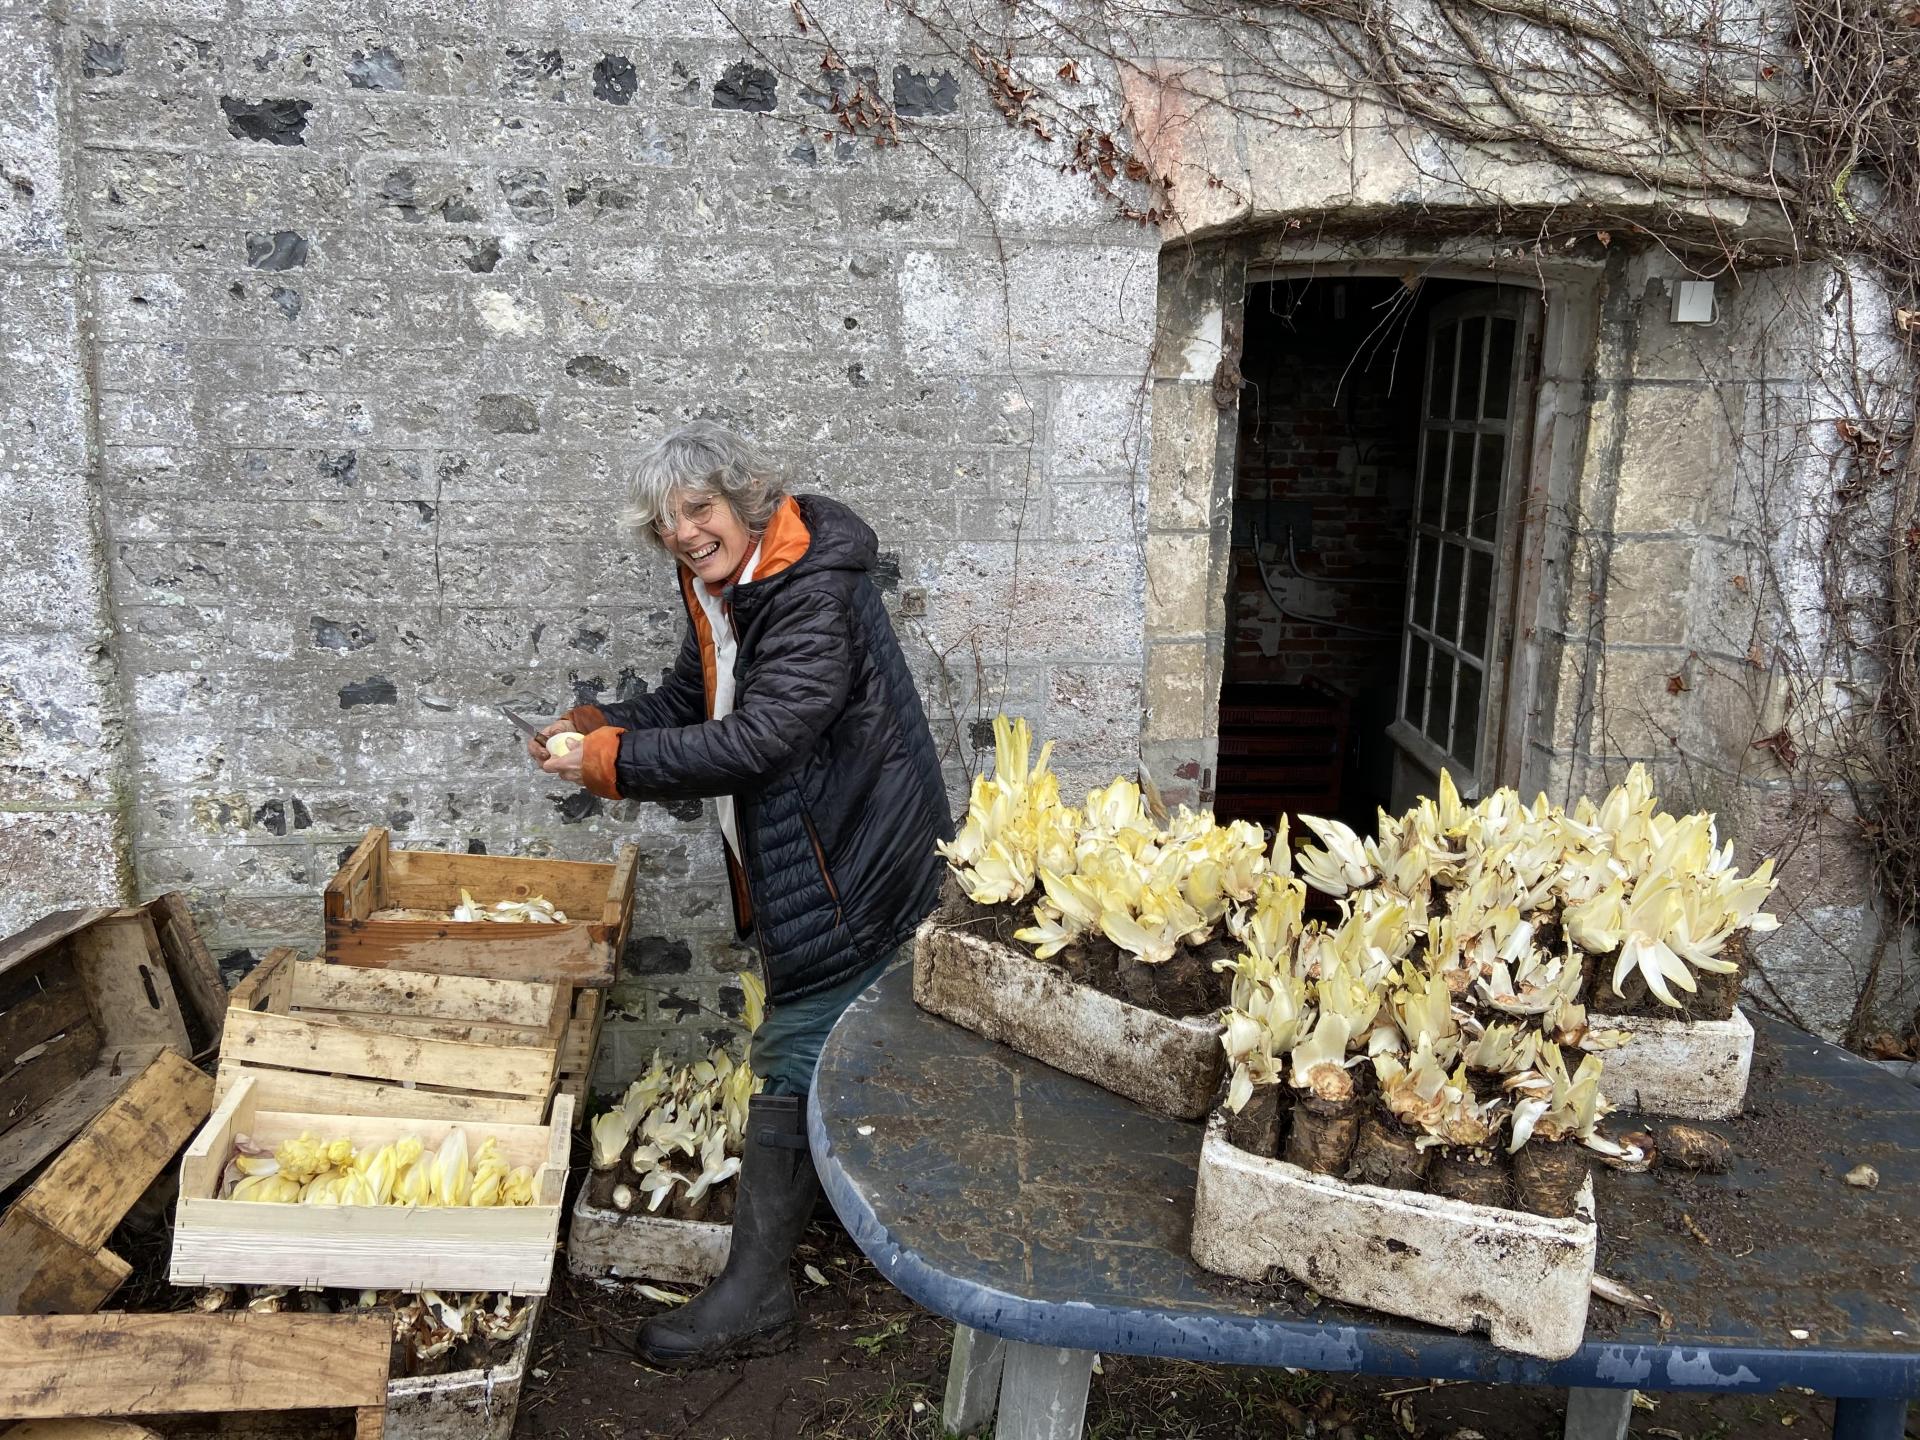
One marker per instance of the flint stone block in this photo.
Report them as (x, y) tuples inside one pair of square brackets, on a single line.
[(269, 122)]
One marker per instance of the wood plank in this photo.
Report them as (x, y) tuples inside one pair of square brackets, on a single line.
[(206, 1156), (617, 913), (49, 930), (578, 955), (340, 1049), (470, 1031), (25, 1088), (95, 1181), (196, 976), (350, 894), (434, 878), (43, 1272), (370, 1422), (40, 1017), (303, 1090), (582, 1039), (120, 967), (191, 1364), (270, 979), (24, 1146), (420, 994), (550, 1183)]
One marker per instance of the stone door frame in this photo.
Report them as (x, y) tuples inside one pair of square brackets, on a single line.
[(1190, 480)]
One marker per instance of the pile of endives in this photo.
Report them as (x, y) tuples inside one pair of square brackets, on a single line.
[(1438, 1023), (427, 1324), (537, 911), (674, 1140), (308, 1171)]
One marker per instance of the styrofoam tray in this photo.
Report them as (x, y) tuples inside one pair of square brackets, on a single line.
[(1173, 1067), (605, 1244), (1522, 1279), (1696, 1069)]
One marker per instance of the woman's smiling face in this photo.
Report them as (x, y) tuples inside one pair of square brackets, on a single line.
[(701, 531)]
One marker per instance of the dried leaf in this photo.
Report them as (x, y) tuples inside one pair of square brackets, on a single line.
[(1739, 582), (662, 1297), (1604, 237), (1847, 430), (1676, 684), (1780, 743), (1756, 657), (1069, 72), (1905, 320), (812, 1272)]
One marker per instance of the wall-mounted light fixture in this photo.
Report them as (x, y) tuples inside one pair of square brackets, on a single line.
[(1693, 303)]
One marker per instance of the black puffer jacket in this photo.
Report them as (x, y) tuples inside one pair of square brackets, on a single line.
[(837, 785)]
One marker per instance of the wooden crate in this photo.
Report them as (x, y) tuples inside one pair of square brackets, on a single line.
[(339, 1038), (53, 1255), (385, 908), (118, 1365), (581, 1044), (384, 1247), (87, 999)]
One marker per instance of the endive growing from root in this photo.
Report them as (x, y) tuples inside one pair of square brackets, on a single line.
[(675, 1137), (1459, 960)]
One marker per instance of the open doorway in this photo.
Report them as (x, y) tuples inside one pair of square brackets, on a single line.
[(1381, 427)]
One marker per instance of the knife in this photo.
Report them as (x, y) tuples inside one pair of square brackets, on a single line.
[(521, 721)]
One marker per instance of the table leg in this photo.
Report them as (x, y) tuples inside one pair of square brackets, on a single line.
[(1875, 1418), (973, 1380), (1598, 1414), (1043, 1393)]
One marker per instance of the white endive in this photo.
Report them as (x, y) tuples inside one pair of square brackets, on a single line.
[(1320, 1061), (1341, 866)]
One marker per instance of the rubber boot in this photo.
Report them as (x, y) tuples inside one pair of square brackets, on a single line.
[(749, 1309)]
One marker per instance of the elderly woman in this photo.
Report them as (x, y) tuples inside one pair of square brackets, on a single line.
[(791, 706)]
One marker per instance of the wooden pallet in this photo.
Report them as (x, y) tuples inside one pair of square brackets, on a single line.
[(120, 1365), (383, 1247), (53, 1255), (339, 1038), (381, 908)]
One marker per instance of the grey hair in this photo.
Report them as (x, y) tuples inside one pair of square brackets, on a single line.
[(709, 459)]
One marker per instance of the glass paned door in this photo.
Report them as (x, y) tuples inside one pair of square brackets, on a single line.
[(1469, 436)]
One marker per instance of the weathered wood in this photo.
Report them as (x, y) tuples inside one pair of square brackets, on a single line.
[(617, 913), (1598, 1414), (301, 1089), (120, 967), (974, 1366), (340, 1048), (582, 1037), (43, 1272), (388, 1246), (25, 1088), (61, 1365), (84, 1193), (197, 981), (1043, 1392), (431, 877), (270, 981), (48, 931), (352, 893), (568, 954), (24, 1146), (40, 1017), (349, 988)]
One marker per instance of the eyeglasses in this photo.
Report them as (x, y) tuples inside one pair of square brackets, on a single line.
[(696, 512)]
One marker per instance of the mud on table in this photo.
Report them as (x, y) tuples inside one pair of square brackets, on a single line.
[(1049, 1219)]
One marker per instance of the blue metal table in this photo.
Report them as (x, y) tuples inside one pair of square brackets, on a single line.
[(1049, 1219)]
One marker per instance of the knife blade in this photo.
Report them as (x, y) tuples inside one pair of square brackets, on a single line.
[(520, 721)]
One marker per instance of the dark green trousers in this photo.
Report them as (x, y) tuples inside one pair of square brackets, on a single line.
[(787, 1045)]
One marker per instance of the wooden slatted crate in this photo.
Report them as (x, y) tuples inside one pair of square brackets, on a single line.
[(388, 908), (150, 1365), (53, 1255), (386, 1247), (338, 1038)]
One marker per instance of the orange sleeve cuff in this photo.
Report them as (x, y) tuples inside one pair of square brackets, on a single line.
[(586, 718), (597, 756)]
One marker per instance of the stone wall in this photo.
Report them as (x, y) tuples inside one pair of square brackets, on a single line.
[(332, 330)]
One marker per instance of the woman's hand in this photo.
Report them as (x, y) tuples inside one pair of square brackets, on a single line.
[(566, 765), (537, 745)]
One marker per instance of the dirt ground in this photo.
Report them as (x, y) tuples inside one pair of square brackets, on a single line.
[(870, 1364)]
